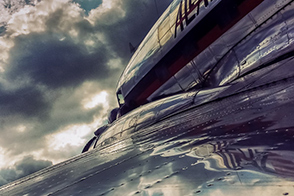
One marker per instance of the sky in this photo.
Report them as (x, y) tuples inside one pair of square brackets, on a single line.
[(59, 65)]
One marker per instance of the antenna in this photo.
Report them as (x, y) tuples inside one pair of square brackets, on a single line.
[(132, 48), (156, 8)]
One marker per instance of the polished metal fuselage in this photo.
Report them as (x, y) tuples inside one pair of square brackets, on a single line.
[(227, 51), (232, 133), (233, 140)]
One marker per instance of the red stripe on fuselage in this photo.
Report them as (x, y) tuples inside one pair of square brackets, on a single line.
[(197, 43)]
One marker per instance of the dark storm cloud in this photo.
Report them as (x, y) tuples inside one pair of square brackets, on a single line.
[(65, 112), (46, 63), (29, 165), (49, 65), (68, 112), (26, 101), (58, 61), (55, 59), (54, 63), (139, 18), (26, 166)]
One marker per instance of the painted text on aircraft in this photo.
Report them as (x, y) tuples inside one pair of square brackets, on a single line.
[(189, 7)]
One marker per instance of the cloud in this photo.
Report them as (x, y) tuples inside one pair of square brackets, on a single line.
[(56, 57), (88, 5), (26, 101), (68, 51), (26, 166), (132, 20), (45, 60), (9, 7), (67, 110)]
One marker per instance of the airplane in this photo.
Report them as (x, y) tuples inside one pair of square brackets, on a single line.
[(205, 108)]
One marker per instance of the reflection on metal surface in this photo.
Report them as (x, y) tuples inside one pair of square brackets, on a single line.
[(253, 40), (231, 134), (239, 140)]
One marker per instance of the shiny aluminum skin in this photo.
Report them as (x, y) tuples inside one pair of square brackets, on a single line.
[(235, 139), (158, 42), (256, 39), (233, 136)]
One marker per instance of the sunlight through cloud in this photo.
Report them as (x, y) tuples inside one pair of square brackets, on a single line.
[(100, 98), (72, 136)]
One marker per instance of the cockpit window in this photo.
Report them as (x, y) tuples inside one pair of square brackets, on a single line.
[(120, 98), (90, 145)]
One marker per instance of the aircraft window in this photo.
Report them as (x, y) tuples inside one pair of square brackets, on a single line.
[(112, 115), (120, 98), (101, 129), (95, 142), (90, 145)]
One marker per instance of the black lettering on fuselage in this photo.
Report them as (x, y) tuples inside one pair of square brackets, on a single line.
[(189, 7), (179, 21)]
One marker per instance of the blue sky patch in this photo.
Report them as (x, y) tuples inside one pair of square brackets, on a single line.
[(88, 5)]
